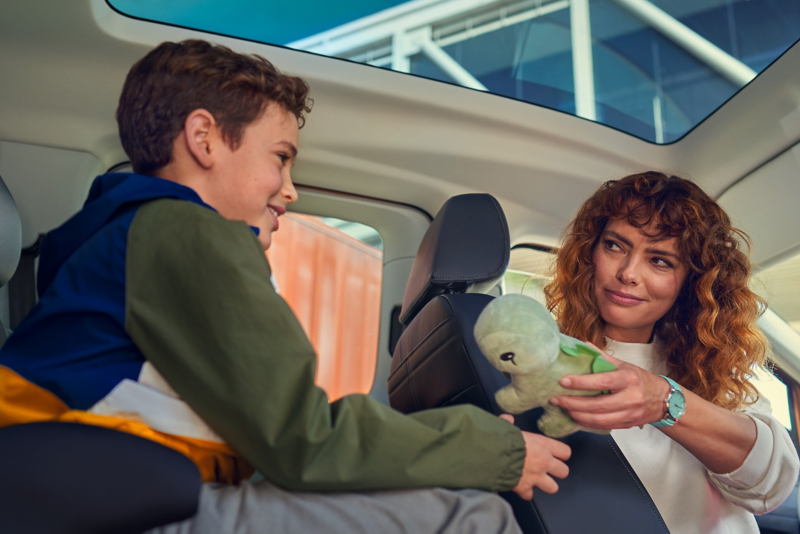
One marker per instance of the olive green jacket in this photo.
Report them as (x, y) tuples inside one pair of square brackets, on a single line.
[(201, 308)]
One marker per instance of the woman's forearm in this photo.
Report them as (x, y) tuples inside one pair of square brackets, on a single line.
[(719, 438)]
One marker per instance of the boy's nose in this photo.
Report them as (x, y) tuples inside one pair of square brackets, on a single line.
[(288, 191)]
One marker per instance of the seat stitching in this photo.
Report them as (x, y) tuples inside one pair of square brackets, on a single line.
[(423, 340), (469, 360), (411, 385), (460, 393)]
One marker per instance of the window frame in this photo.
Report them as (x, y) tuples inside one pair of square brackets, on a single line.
[(401, 227)]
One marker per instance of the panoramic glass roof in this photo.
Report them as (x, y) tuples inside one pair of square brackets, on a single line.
[(652, 68)]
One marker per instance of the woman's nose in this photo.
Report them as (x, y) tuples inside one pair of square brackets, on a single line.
[(629, 272)]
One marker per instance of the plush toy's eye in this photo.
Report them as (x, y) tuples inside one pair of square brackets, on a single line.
[(508, 357)]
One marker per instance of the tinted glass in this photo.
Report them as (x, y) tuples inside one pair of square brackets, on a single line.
[(654, 69)]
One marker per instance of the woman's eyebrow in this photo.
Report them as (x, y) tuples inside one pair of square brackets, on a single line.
[(615, 235), (649, 250)]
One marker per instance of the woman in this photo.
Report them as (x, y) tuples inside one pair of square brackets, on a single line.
[(652, 272)]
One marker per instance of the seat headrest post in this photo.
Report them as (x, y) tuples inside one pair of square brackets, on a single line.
[(466, 249), (10, 235)]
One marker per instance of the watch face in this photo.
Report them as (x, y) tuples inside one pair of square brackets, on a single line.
[(677, 405)]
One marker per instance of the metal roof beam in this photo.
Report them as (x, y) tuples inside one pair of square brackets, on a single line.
[(582, 59), (697, 45), (445, 61)]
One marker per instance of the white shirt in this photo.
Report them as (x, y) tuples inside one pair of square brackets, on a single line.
[(691, 499)]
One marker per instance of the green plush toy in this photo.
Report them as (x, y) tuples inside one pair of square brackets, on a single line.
[(520, 337)]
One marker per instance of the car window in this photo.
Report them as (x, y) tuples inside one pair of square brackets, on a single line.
[(776, 392), (329, 272), (529, 270), (779, 285)]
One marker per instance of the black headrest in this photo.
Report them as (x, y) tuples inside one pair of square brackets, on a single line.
[(466, 249)]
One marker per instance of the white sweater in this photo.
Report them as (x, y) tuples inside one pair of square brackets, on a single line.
[(691, 499)]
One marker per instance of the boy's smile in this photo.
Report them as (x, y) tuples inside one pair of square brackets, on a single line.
[(253, 182)]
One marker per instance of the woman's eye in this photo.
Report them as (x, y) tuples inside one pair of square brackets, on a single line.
[(661, 262), (611, 245)]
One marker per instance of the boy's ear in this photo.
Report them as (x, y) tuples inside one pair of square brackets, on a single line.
[(199, 129)]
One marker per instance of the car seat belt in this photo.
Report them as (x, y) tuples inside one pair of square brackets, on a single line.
[(22, 286)]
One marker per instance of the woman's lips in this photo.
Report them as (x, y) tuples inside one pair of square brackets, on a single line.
[(622, 299)]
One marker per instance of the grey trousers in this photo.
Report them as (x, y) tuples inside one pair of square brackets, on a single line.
[(265, 508)]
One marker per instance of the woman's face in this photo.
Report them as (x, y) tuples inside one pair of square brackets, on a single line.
[(636, 280)]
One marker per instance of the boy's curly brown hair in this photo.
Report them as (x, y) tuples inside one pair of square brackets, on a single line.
[(175, 79)]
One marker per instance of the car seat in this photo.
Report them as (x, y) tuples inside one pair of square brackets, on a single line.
[(10, 244), (70, 478), (437, 363)]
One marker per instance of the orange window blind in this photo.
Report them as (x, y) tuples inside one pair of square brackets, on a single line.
[(332, 282)]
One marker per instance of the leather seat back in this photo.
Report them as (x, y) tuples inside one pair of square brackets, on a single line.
[(437, 363)]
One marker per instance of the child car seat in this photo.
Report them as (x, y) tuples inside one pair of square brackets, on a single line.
[(70, 478)]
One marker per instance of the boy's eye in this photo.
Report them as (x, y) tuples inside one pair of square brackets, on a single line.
[(284, 158)]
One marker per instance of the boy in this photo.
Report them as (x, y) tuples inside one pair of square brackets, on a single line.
[(157, 317)]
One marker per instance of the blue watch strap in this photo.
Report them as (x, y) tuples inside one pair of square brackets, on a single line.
[(675, 404)]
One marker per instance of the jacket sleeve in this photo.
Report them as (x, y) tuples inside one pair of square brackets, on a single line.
[(769, 473), (201, 308)]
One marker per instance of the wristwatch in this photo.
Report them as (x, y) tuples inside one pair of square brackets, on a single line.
[(675, 404)]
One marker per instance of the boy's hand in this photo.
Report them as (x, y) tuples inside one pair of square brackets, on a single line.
[(544, 459)]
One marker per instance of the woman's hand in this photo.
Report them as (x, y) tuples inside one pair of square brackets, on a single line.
[(719, 438), (636, 398)]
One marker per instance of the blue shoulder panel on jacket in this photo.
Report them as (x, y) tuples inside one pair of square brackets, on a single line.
[(109, 195), (73, 343)]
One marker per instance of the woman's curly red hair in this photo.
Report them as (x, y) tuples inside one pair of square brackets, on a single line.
[(710, 335)]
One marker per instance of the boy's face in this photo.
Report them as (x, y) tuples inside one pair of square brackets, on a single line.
[(253, 182)]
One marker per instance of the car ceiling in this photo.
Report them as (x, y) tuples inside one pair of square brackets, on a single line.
[(381, 134)]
